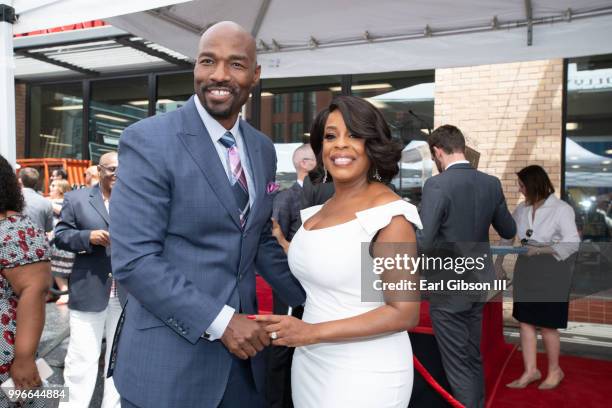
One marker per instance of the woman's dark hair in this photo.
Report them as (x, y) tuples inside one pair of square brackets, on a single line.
[(60, 172), (364, 120), (11, 198), (537, 184), (317, 131)]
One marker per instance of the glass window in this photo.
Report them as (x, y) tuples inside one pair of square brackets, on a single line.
[(173, 91), (297, 102), (588, 145), (278, 103), (297, 132), (115, 105), (406, 99), (56, 121), (277, 132)]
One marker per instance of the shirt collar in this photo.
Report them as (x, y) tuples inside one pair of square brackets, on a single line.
[(457, 162), (214, 128), (550, 201)]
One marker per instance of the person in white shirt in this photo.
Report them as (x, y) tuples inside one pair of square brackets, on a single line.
[(542, 277)]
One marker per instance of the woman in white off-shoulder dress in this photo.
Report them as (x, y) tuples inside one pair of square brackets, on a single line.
[(349, 353)]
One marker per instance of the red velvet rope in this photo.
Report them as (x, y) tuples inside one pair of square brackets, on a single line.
[(434, 384)]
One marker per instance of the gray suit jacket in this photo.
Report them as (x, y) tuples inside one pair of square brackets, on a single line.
[(180, 252), (39, 209), (90, 281), (458, 206), (287, 206)]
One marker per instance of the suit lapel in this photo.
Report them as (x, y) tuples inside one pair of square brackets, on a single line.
[(199, 145), (257, 172), (95, 199)]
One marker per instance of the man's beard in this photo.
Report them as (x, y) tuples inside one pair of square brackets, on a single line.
[(217, 113)]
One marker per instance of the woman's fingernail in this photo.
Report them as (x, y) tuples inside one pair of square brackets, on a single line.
[(251, 317)]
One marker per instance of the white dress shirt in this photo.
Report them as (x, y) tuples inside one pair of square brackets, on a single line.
[(216, 131), (554, 224)]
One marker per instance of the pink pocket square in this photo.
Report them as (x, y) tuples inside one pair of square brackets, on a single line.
[(272, 187)]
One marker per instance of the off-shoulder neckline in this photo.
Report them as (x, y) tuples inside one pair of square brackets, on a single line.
[(349, 221)]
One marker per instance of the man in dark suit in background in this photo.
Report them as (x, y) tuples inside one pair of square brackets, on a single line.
[(93, 298), (286, 212), (287, 203), (457, 209)]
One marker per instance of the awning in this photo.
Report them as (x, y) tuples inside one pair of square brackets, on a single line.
[(321, 37)]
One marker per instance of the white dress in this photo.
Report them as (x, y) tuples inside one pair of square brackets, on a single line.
[(373, 372)]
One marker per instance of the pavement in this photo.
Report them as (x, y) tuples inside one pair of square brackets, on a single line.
[(579, 339), (53, 346)]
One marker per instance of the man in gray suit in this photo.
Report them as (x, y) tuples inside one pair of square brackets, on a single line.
[(93, 296), (192, 210), (37, 207), (457, 208)]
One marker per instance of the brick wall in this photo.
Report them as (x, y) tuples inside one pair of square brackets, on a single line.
[(512, 115), (20, 118)]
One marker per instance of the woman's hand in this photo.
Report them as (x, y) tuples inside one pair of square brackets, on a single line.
[(288, 330), (25, 374), (277, 233), (539, 250)]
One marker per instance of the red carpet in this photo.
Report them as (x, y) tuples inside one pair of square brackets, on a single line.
[(587, 384), (264, 295)]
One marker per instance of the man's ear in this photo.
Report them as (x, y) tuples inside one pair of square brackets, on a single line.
[(257, 75), (436, 151)]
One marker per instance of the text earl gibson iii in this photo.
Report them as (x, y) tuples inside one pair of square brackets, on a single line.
[(457, 285)]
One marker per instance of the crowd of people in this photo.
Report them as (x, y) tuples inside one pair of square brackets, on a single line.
[(190, 207)]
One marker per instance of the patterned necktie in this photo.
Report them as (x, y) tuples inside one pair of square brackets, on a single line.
[(237, 178)]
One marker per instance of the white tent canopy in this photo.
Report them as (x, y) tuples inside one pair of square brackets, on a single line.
[(41, 14), (328, 37), (322, 37)]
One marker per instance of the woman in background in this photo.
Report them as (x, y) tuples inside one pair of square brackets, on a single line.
[(24, 281), (542, 277), (61, 261)]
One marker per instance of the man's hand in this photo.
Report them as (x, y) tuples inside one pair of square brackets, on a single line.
[(244, 337), (99, 237)]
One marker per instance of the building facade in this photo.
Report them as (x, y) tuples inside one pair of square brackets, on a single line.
[(555, 113)]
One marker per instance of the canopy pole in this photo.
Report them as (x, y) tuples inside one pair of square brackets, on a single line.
[(8, 145), (529, 13)]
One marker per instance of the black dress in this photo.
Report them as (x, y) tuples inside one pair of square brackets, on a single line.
[(541, 291)]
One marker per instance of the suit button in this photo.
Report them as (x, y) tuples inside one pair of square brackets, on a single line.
[(110, 275)]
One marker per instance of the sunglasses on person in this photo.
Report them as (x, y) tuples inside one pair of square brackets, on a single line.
[(528, 234), (110, 170)]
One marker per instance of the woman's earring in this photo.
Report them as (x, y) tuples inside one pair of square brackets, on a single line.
[(377, 176), (325, 175)]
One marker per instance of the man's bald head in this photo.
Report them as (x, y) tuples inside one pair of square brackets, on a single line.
[(107, 169), (108, 158), (225, 30), (225, 71)]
